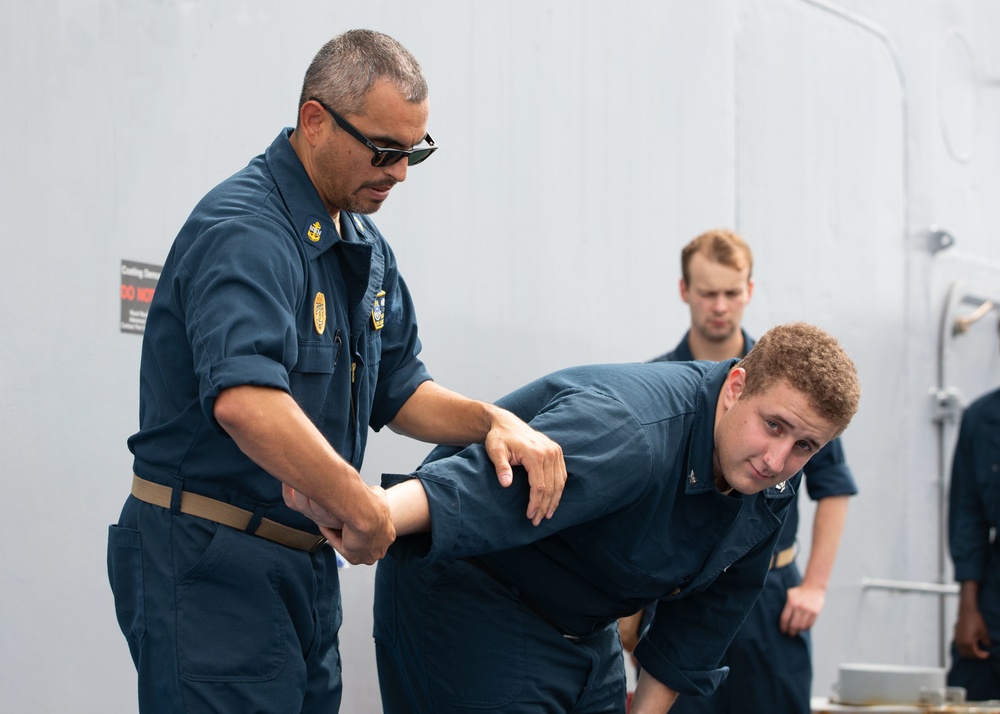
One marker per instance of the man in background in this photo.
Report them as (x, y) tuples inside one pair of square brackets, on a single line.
[(973, 517), (770, 658)]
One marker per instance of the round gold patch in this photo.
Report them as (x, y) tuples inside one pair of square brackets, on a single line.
[(319, 313)]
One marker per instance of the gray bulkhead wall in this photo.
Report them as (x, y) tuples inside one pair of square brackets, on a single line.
[(583, 143)]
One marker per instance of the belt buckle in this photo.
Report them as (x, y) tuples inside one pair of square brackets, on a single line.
[(320, 542)]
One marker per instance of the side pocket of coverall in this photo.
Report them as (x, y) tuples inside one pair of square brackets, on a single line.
[(125, 576), (232, 625), (470, 621)]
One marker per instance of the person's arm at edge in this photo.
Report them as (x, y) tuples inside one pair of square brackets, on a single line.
[(968, 538), (805, 602), (971, 632), (651, 696), (438, 415), (272, 430)]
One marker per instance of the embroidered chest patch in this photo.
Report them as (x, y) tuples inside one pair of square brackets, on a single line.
[(378, 311)]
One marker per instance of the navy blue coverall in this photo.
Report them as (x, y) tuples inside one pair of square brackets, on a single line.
[(489, 613), (770, 671), (258, 289), (973, 517)]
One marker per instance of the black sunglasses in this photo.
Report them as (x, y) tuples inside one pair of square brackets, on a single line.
[(382, 157)]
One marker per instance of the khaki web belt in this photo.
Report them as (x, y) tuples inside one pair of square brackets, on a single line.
[(782, 558), (226, 514)]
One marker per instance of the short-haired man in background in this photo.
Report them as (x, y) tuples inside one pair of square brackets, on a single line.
[(770, 659)]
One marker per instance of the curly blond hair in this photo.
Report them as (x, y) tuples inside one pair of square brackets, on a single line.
[(812, 362)]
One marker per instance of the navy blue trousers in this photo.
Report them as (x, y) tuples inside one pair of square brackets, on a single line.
[(221, 621), (980, 677), (450, 639)]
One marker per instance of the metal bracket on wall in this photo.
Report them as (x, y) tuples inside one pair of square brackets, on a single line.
[(948, 405), (938, 239)]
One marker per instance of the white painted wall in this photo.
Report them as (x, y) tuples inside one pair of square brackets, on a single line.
[(584, 143)]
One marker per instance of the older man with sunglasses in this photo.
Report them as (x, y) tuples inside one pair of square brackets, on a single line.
[(279, 332)]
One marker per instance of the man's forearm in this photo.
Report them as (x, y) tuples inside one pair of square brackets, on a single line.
[(652, 696), (804, 602), (439, 416), (409, 507), (968, 596), (272, 430), (828, 527)]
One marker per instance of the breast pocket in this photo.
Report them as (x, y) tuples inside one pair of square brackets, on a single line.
[(312, 375)]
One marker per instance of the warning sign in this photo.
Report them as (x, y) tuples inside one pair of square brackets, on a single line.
[(138, 284)]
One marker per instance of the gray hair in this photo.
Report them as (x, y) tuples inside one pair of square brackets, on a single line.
[(347, 67)]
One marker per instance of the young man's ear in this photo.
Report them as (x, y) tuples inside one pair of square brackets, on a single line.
[(733, 387), (684, 290)]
